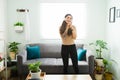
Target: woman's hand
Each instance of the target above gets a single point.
(69, 24)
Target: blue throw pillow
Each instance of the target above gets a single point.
(81, 54)
(33, 52)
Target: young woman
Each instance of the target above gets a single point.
(68, 35)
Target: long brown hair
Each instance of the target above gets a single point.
(63, 28)
(64, 25)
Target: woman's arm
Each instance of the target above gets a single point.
(74, 34)
(64, 34)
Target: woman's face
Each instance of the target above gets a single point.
(68, 19)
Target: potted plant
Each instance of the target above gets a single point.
(18, 26)
(99, 46)
(13, 48)
(107, 75)
(35, 71)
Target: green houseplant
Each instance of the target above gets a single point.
(107, 64)
(18, 26)
(13, 49)
(35, 71)
(34, 67)
(99, 45)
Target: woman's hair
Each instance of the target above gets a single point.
(64, 25)
(68, 15)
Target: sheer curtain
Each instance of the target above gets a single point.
(52, 15)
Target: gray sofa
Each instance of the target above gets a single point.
(51, 60)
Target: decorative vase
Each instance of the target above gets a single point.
(35, 74)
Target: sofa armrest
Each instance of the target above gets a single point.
(21, 58)
(91, 65)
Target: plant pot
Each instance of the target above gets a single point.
(19, 29)
(98, 76)
(99, 62)
(12, 55)
(35, 74)
(108, 76)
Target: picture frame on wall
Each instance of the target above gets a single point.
(112, 14)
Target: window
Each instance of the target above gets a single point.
(52, 15)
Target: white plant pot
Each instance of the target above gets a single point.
(1, 64)
(99, 62)
(35, 75)
(19, 29)
(98, 76)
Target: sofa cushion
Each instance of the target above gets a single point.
(44, 61)
(33, 52)
(59, 62)
(81, 53)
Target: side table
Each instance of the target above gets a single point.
(12, 67)
(1, 71)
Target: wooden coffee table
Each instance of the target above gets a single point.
(43, 76)
(68, 77)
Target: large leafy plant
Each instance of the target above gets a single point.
(13, 47)
(99, 45)
(34, 67)
(108, 64)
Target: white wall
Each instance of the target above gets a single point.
(14, 16)
(2, 12)
(113, 38)
(96, 20)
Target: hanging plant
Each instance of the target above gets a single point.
(19, 26)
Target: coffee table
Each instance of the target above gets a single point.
(68, 77)
(45, 76)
